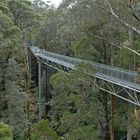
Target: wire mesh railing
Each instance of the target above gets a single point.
(101, 69)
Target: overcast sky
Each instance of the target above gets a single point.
(55, 2)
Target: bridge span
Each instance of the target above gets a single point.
(125, 80)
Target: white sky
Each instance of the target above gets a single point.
(55, 2)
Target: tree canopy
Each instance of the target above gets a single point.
(73, 108)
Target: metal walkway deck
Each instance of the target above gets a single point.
(121, 77)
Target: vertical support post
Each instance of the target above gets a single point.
(129, 131)
(46, 84)
(113, 114)
(46, 89)
(30, 65)
(39, 90)
(43, 93)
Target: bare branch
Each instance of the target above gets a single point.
(135, 52)
(127, 25)
(115, 45)
(131, 6)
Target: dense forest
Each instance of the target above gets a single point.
(103, 31)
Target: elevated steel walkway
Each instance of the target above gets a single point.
(117, 76)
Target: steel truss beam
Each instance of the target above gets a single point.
(124, 93)
(117, 89)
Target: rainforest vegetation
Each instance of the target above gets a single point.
(73, 108)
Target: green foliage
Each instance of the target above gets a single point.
(14, 17)
(14, 114)
(73, 106)
(13, 30)
(85, 49)
(5, 21)
(5, 132)
(94, 35)
(82, 133)
(77, 109)
(42, 131)
(128, 59)
(4, 9)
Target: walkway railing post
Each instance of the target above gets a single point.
(39, 90)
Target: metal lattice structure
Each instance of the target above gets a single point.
(124, 81)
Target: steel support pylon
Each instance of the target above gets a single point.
(39, 91)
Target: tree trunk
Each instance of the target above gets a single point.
(112, 134)
(130, 37)
(27, 88)
(129, 131)
(107, 130)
